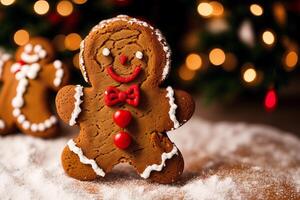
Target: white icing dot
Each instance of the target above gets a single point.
(34, 127)
(21, 119)
(17, 102)
(57, 64)
(37, 48)
(26, 125)
(59, 73)
(53, 119)
(139, 55)
(2, 124)
(16, 112)
(41, 127)
(48, 123)
(105, 52)
(57, 82)
(42, 54)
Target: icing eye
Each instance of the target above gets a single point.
(139, 55)
(28, 48)
(37, 48)
(105, 52)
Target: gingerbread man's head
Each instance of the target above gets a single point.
(127, 50)
(37, 50)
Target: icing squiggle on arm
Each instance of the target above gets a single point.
(173, 106)
(83, 159)
(76, 111)
(155, 167)
(59, 73)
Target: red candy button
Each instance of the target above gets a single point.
(122, 140)
(122, 118)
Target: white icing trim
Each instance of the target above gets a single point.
(125, 18)
(155, 167)
(23, 74)
(2, 124)
(3, 59)
(83, 159)
(76, 111)
(38, 50)
(81, 62)
(59, 74)
(173, 106)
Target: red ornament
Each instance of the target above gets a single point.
(123, 59)
(122, 140)
(270, 100)
(122, 118)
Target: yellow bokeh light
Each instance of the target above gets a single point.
(41, 7)
(256, 10)
(217, 7)
(76, 60)
(193, 61)
(72, 41)
(64, 8)
(7, 2)
(291, 59)
(21, 37)
(217, 56)
(186, 74)
(79, 1)
(249, 75)
(268, 37)
(205, 9)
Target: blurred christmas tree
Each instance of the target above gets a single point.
(221, 48)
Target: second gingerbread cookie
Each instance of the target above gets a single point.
(125, 114)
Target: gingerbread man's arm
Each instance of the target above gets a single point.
(5, 64)
(55, 75)
(177, 108)
(68, 103)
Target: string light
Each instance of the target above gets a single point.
(205, 9)
(256, 10)
(186, 74)
(76, 60)
(21, 37)
(268, 37)
(72, 41)
(291, 59)
(217, 8)
(193, 61)
(79, 1)
(64, 8)
(271, 100)
(41, 7)
(7, 2)
(217, 56)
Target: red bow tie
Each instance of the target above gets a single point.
(130, 96)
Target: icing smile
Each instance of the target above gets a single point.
(124, 79)
(32, 53)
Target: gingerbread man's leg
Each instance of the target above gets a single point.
(163, 163)
(7, 124)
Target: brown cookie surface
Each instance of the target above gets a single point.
(26, 85)
(125, 114)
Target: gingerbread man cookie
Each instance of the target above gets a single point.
(26, 83)
(125, 114)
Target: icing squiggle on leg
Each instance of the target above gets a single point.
(83, 159)
(155, 167)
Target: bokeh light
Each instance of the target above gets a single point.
(268, 37)
(270, 100)
(217, 8)
(7, 2)
(186, 74)
(205, 9)
(72, 41)
(217, 56)
(249, 75)
(193, 61)
(256, 10)
(21, 37)
(291, 59)
(79, 1)
(64, 8)
(41, 7)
